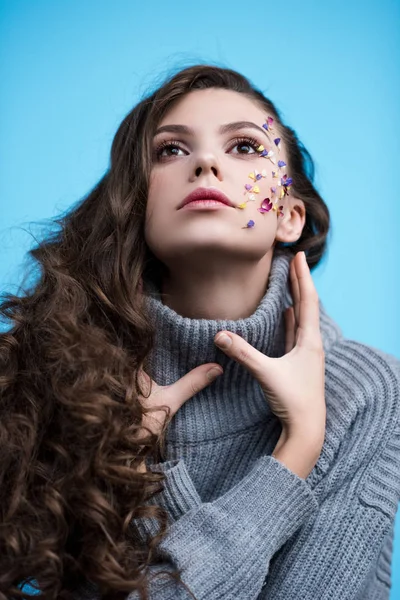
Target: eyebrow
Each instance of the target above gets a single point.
(227, 128)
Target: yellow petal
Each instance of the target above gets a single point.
(256, 189)
(242, 205)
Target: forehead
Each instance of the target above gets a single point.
(213, 106)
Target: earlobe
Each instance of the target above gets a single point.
(291, 226)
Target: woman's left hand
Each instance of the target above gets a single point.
(294, 384)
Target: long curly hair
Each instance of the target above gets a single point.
(70, 407)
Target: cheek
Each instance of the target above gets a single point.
(162, 185)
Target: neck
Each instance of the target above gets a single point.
(211, 290)
(234, 401)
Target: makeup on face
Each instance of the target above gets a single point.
(284, 183)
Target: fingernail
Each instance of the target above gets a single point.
(213, 373)
(223, 341)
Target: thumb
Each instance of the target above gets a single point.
(244, 353)
(193, 382)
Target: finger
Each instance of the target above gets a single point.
(190, 384)
(145, 381)
(290, 329)
(244, 353)
(295, 289)
(309, 316)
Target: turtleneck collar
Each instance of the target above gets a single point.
(234, 401)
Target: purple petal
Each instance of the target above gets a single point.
(266, 204)
(250, 224)
(281, 163)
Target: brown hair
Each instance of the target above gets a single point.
(70, 411)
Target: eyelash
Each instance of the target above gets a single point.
(175, 143)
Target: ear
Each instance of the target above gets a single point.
(291, 225)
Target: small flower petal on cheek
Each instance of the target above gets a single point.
(277, 142)
(256, 176)
(250, 224)
(265, 206)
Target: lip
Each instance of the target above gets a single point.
(203, 193)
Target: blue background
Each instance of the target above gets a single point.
(70, 71)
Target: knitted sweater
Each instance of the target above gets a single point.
(242, 526)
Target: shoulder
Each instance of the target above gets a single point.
(368, 373)
(360, 377)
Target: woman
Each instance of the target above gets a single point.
(124, 468)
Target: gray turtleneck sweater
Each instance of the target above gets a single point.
(242, 526)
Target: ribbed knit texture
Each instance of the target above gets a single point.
(242, 525)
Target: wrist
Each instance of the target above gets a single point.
(299, 455)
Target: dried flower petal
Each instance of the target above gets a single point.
(268, 124)
(265, 206)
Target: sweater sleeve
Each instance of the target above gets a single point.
(224, 547)
(345, 551)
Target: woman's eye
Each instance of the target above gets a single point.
(167, 146)
(247, 142)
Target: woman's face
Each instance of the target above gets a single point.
(207, 157)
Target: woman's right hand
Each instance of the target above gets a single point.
(174, 395)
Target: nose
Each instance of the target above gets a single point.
(205, 165)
